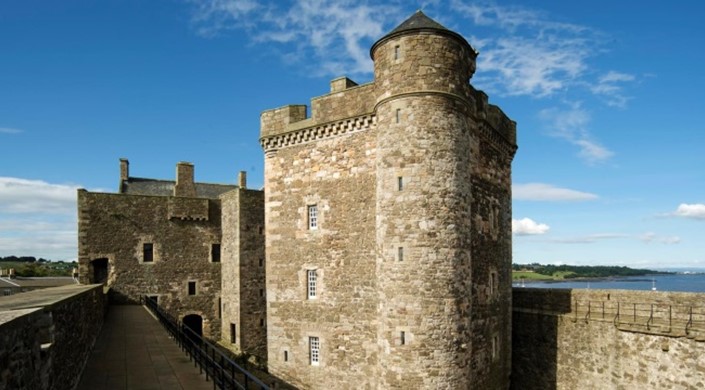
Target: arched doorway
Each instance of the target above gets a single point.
(195, 323)
(100, 270)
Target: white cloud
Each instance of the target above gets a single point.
(694, 211)
(589, 239)
(572, 126)
(317, 29)
(36, 196)
(548, 192)
(651, 237)
(528, 227)
(611, 87)
(9, 130)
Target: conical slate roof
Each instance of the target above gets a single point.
(419, 22)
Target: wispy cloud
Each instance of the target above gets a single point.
(692, 211)
(651, 237)
(611, 87)
(589, 239)
(572, 125)
(548, 192)
(528, 227)
(35, 196)
(9, 130)
(315, 29)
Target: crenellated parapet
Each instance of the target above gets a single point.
(316, 133)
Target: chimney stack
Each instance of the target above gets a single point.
(242, 180)
(124, 169)
(184, 180)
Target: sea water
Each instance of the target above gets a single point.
(670, 282)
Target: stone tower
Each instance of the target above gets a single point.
(388, 225)
(423, 204)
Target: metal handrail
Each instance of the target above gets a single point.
(223, 371)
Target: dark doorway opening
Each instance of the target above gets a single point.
(195, 323)
(100, 270)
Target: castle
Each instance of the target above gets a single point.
(378, 254)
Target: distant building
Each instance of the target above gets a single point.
(386, 222)
(164, 239)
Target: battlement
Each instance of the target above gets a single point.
(346, 100)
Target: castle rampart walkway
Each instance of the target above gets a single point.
(134, 352)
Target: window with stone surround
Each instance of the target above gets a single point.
(147, 252)
(493, 283)
(313, 217)
(215, 253)
(495, 347)
(314, 348)
(397, 52)
(286, 356)
(400, 183)
(191, 288)
(398, 115)
(312, 283)
(402, 338)
(400, 253)
(233, 333)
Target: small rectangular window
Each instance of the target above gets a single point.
(400, 183)
(313, 217)
(400, 253)
(314, 347)
(261, 292)
(286, 356)
(397, 50)
(191, 288)
(495, 347)
(493, 283)
(215, 253)
(220, 308)
(233, 333)
(398, 115)
(147, 252)
(402, 338)
(262, 322)
(312, 278)
(261, 262)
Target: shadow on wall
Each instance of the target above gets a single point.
(535, 336)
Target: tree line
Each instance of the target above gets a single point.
(584, 271)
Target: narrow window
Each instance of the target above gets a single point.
(286, 356)
(215, 253)
(398, 115)
(400, 183)
(314, 347)
(261, 262)
(261, 292)
(313, 217)
(495, 347)
(191, 288)
(261, 230)
(397, 50)
(312, 280)
(261, 322)
(233, 333)
(220, 308)
(400, 253)
(493, 283)
(147, 252)
(402, 338)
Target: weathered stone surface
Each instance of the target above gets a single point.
(45, 344)
(608, 339)
(411, 176)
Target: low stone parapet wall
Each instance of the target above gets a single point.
(588, 339)
(46, 336)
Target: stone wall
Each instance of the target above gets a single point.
(244, 304)
(114, 228)
(47, 335)
(337, 175)
(608, 339)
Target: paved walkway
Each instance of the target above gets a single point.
(134, 352)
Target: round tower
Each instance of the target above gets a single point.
(424, 125)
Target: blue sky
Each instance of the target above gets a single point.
(608, 96)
